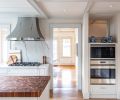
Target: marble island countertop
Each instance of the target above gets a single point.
(22, 86)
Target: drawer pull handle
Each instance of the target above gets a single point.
(102, 62)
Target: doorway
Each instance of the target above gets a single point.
(66, 69)
(64, 46)
(66, 56)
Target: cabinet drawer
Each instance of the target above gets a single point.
(103, 89)
(23, 72)
(3, 71)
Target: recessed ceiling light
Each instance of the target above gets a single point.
(110, 6)
(64, 10)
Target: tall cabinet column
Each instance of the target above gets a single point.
(117, 29)
(85, 71)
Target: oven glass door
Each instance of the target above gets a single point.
(102, 52)
(102, 73)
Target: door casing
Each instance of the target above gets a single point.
(79, 69)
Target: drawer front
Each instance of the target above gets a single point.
(103, 89)
(3, 71)
(23, 72)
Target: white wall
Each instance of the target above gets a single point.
(113, 27)
(85, 56)
(8, 20)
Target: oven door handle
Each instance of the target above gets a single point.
(102, 62)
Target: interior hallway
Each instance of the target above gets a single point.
(65, 87)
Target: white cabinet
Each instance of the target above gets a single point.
(42, 70)
(103, 91)
(23, 72)
(3, 71)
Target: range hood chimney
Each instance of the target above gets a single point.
(27, 29)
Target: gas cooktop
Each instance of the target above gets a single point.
(26, 64)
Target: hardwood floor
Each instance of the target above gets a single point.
(64, 83)
(64, 77)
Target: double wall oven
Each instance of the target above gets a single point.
(102, 64)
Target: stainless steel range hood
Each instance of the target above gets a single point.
(27, 29)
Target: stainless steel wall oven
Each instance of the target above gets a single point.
(102, 52)
(102, 75)
(102, 64)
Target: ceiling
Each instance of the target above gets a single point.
(75, 8)
(16, 8)
(67, 9)
(105, 8)
(63, 8)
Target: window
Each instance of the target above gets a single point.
(4, 31)
(66, 47)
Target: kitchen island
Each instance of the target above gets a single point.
(24, 87)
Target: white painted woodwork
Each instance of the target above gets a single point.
(115, 24)
(42, 70)
(69, 25)
(85, 57)
(103, 89)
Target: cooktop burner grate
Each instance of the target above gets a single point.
(26, 64)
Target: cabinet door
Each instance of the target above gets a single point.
(23, 72)
(42, 71)
(103, 89)
(3, 71)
